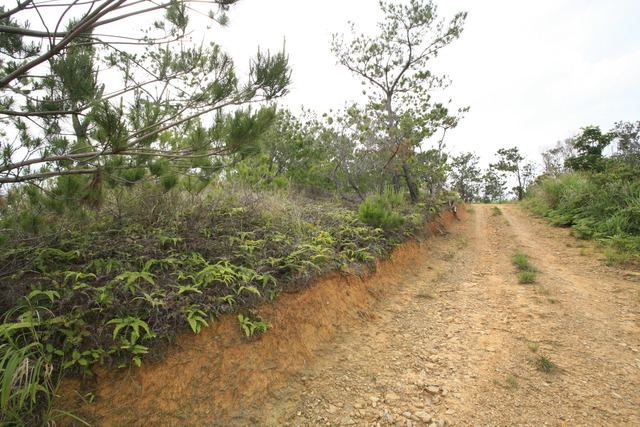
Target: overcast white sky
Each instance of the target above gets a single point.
(533, 73)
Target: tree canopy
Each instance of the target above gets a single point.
(83, 93)
(393, 64)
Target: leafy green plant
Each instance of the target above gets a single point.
(616, 257)
(495, 211)
(602, 205)
(196, 319)
(128, 331)
(26, 378)
(132, 279)
(123, 271)
(249, 327)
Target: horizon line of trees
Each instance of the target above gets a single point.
(85, 113)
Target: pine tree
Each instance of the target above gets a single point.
(84, 99)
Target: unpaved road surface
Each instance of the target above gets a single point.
(460, 340)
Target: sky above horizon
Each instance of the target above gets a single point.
(532, 74)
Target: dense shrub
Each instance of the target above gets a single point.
(603, 206)
(379, 210)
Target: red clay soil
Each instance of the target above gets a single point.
(219, 372)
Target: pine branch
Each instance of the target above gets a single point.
(21, 6)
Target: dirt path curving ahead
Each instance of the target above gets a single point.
(460, 341)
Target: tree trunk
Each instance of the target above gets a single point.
(396, 181)
(411, 184)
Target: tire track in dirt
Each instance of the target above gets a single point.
(456, 343)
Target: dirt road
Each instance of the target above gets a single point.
(461, 341)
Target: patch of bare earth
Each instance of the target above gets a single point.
(443, 335)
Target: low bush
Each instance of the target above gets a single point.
(379, 210)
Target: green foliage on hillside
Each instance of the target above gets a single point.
(603, 207)
(600, 198)
(380, 210)
(116, 286)
(146, 189)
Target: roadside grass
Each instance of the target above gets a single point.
(461, 243)
(523, 263)
(426, 294)
(542, 290)
(449, 255)
(438, 275)
(495, 211)
(616, 257)
(512, 380)
(533, 346)
(600, 206)
(526, 273)
(526, 277)
(544, 363)
(510, 383)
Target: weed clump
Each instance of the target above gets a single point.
(526, 272)
(522, 262)
(544, 364)
(526, 277)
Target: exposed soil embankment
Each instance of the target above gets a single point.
(219, 372)
(461, 342)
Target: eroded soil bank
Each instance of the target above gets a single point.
(460, 342)
(219, 377)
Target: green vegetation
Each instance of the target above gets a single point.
(522, 262)
(461, 243)
(147, 201)
(533, 346)
(597, 196)
(526, 277)
(102, 289)
(496, 211)
(379, 210)
(425, 294)
(526, 272)
(512, 380)
(544, 364)
(510, 161)
(399, 115)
